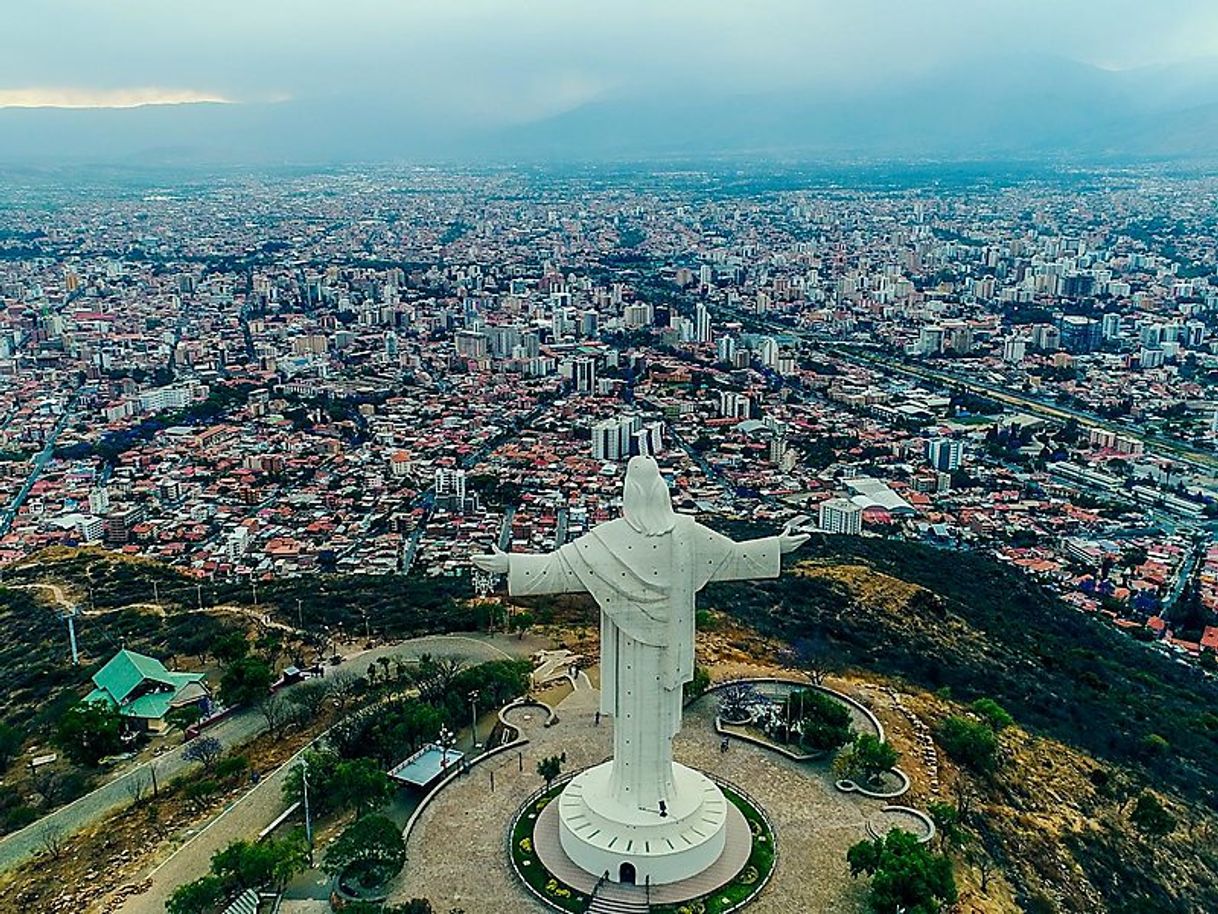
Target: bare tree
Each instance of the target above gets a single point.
(985, 868)
(48, 784)
(137, 785)
(276, 712)
(206, 750)
(816, 656)
(52, 839)
(342, 687)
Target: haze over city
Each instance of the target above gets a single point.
(312, 81)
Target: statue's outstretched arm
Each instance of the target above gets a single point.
(749, 560)
(529, 573)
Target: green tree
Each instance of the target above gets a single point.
(370, 850)
(906, 877)
(1151, 818)
(184, 717)
(698, 685)
(994, 714)
(198, 897)
(245, 865)
(246, 681)
(1153, 746)
(550, 768)
(11, 740)
(970, 743)
(866, 758)
(230, 647)
(820, 721)
(947, 823)
(88, 732)
(360, 784)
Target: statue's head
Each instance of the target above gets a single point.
(646, 502)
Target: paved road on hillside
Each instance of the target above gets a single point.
(233, 731)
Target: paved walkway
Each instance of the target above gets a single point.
(457, 854)
(263, 803)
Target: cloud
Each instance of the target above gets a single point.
(80, 97)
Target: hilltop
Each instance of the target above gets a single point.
(1102, 718)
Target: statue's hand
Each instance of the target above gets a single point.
(495, 563)
(790, 539)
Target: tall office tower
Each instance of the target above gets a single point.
(702, 323)
(606, 440)
(450, 489)
(589, 323)
(583, 374)
(471, 345)
(1080, 334)
(725, 349)
(391, 345)
(944, 453)
(840, 515)
(1014, 350)
(767, 352)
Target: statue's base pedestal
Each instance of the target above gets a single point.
(640, 846)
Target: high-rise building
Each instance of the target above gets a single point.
(944, 454)
(583, 374)
(1014, 350)
(840, 515)
(649, 440)
(471, 345)
(1080, 334)
(725, 349)
(450, 489)
(702, 323)
(930, 340)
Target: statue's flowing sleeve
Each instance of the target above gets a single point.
(549, 572)
(719, 558)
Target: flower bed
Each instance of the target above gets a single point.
(528, 865)
(749, 882)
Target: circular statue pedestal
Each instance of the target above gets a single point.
(640, 846)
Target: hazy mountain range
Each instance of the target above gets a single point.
(1011, 107)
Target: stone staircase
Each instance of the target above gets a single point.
(612, 898)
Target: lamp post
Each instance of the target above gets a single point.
(446, 741)
(473, 718)
(304, 783)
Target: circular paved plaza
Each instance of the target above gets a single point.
(457, 855)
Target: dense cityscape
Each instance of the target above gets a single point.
(389, 370)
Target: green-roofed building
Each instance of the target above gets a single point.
(144, 691)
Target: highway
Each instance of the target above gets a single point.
(1037, 406)
(39, 464)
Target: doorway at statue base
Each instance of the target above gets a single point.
(602, 835)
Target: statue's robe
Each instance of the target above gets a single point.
(645, 586)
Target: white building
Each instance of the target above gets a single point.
(840, 515)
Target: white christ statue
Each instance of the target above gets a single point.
(643, 570)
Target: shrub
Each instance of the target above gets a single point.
(371, 851)
(866, 758)
(822, 723)
(905, 875)
(970, 743)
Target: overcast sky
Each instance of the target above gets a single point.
(516, 60)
